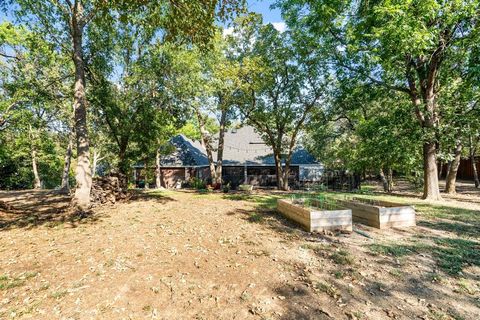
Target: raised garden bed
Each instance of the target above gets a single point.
(380, 214)
(316, 215)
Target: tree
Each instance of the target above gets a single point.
(365, 130)
(402, 46)
(206, 83)
(66, 22)
(33, 80)
(282, 84)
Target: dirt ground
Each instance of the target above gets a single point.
(188, 255)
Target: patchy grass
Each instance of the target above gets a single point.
(342, 257)
(451, 255)
(9, 283)
(454, 254)
(256, 217)
(397, 273)
(465, 287)
(327, 288)
(263, 201)
(393, 250)
(59, 294)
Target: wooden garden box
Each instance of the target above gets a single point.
(380, 214)
(316, 220)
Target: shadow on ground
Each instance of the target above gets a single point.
(459, 228)
(450, 255)
(300, 303)
(30, 209)
(154, 195)
(49, 209)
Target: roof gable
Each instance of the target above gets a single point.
(242, 146)
(187, 153)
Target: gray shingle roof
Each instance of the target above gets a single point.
(187, 153)
(242, 145)
(245, 145)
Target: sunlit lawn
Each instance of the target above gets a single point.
(457, 246)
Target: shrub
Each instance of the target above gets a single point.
(197, 183)
(226, 188)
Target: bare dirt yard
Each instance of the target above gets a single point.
(189, 255)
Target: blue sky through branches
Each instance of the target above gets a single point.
(259, 6)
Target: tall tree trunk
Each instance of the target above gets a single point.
(430, 176)
(158, 170)
(285, 173)
(147, 173)
(97, 157)
(452, 173)
(37, 184)
(473, 147)
(422, 78)
(221, 144)
(475, 172)
(207, 143)
(122, 158)
(384, 180)
(66, 167)
(440, 170)
(278, 170)
(83, 174)
(36, 178)
(387, 180)
(449, 165)
(390, 180)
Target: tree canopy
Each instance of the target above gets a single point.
(375, 88)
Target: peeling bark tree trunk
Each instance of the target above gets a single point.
(158, 170)
(452, 173)
(83, 174)
(66, 166)
(221, 144)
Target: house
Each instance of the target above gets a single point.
(246, 160)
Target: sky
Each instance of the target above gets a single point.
(263, 7)
(272, 16)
